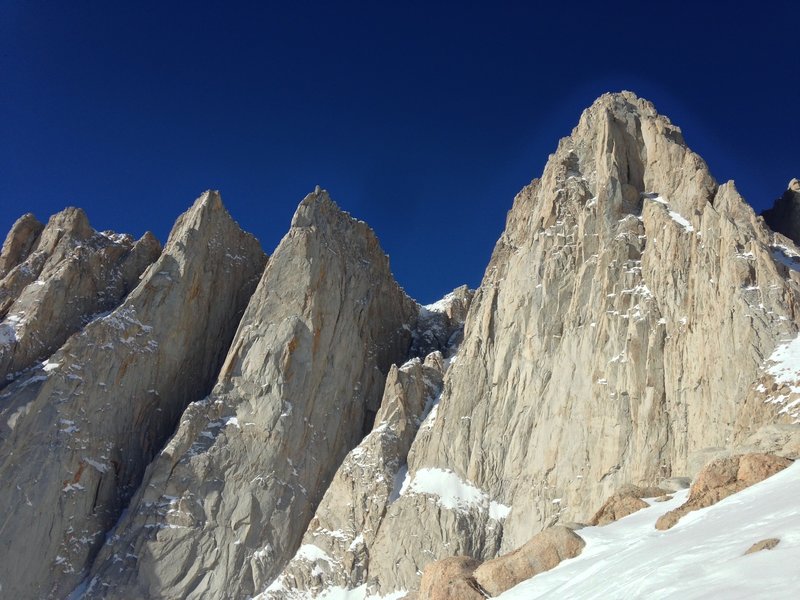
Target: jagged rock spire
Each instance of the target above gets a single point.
(59, 277)
(226, 503)
(77, 433)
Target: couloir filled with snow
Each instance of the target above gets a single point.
(703, 556)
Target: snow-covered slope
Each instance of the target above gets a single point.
(703, 556)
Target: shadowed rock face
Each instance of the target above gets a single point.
(76, 435)
(58, 278)
(784, 216)
(224, 506)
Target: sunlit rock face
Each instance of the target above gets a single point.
(619, 335)
(224, 506)
(305, 429)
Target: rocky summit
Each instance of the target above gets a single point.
(201, 421)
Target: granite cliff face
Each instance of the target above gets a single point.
(77, 433)
(321, 433)
(225, 504)
(597, 352)
(621, 333)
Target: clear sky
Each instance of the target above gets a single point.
(421, 118)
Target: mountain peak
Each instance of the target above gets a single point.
(317, 208)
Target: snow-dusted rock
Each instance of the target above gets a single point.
(370, 479)
(225, 504)
(636, 320)
(77, 433)
(58, 279)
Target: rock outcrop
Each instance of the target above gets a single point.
(624, 502)
(587, 358)
(767, 544)
(721, 478)
(450, 579)
(77, 433)
(784, 216)
(19, 243)
(57, 278)
(225, 504)
(780, 439)
(543, 552)
(464, 578)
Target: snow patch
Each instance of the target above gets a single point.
(675, 216)
(312, 553)
(453, 493)
(339, 593)
(785, 363)
(701, 557)
(784, 367)
(358, 541)
(785, 256)
(8, 334)
(102, 467)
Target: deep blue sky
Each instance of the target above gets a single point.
(422, 119)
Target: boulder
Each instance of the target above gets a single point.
(543, 552)
(721, 478)
(450, 579)
(767, 544)
(626, 501)
(616, 508)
